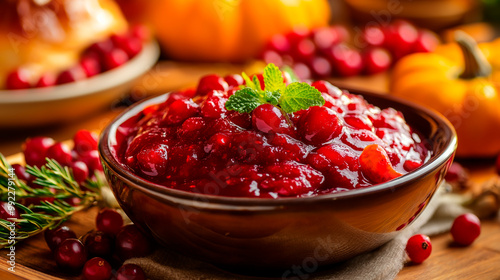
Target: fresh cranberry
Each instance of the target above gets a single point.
(133, 46)
(268, 118)
(326, 37)
(376, 60)
(130, 271)
(92, 161)
(61, 153)
(419, 248)
(298, 33)
(80, 171)
(98, 244)
(214, 105)
(179, 111)
(54, 237)
(115, 58)
(8, 211)
(141, 32)
(84, 141)
(46, 80)
(73, 74)
(319, 125)
(131, 243)
(373, 36)
(345, 60)
(302, 70)
(456, 173)
(427, 41)
(279, 43)
(18, 79)
(326, 87)
(91, 64)
(211, 82)
(109, 221)
(400, 38)
(35, 150)
(101, 48)
(73, 201)
(465, 229)
(234, 80)
(321, 67)
(270, 56)
(375, 164)
(304, 50)
(71, 255)
(21, 173)
(97, 269)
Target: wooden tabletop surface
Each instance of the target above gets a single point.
(34, 261)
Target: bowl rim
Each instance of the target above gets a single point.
(133, 68)
(149, 187)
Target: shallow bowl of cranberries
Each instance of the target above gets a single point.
(75, 92)
(270, 190)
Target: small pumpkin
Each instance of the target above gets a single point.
(461, 81)
(229, 30)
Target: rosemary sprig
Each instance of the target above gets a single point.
(52, 209)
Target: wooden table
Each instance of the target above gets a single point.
(34, 261)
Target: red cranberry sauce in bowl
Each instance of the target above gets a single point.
(192, 142)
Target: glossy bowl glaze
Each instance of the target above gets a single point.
(261, 234)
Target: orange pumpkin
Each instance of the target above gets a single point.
(229, 30)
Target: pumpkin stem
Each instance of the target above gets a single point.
(475, 64)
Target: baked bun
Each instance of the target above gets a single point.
(49, 35)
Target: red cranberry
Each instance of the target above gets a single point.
(465, 229)
(411, 165)
(61, 153)
(92, 161)
(84, 141)
(153, 160)
(109, 221)
(302, 71)
(101, 48)
(73, 74)
(130, 272)
(56, 236)
(80, 171)
(319, 125)
(91, 65)
(8, 211)
(179, 111)
(46, 80)
(35, 150)
(400, 38)
(131, 243)
(456, 173)
(18, 79)
(376, 60)
(321, 67)
(132, 46)
(279, 43)
(260, 77)
(97, 269)
(234, 80)
(192, 126)
(268, 118)
(140, 32)
(326, 87)
(270, 56)
(209, 83)
(345, 60)
(98, 244)
(21, 173)
(419, 248)
(427, 41)
(373, 36)
(298, 33)
(115, 58)
(71, 254)
(304, 50)
(326, 37)
(213, 106)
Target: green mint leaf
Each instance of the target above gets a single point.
(245, 100)
(273, 79)
(300, 96)
(294, 78)
(256, 82)
(248, 82)
(272, 97)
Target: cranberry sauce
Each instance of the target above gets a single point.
(192, 143)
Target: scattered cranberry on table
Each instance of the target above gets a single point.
(97, 269)
(332, 51)
(130, 272)
(56, 236)
(109, 221)
(465, 229)
(419, 248)
(71, 255)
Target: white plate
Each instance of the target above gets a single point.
(68, 102)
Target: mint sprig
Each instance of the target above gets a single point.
(292, 98)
